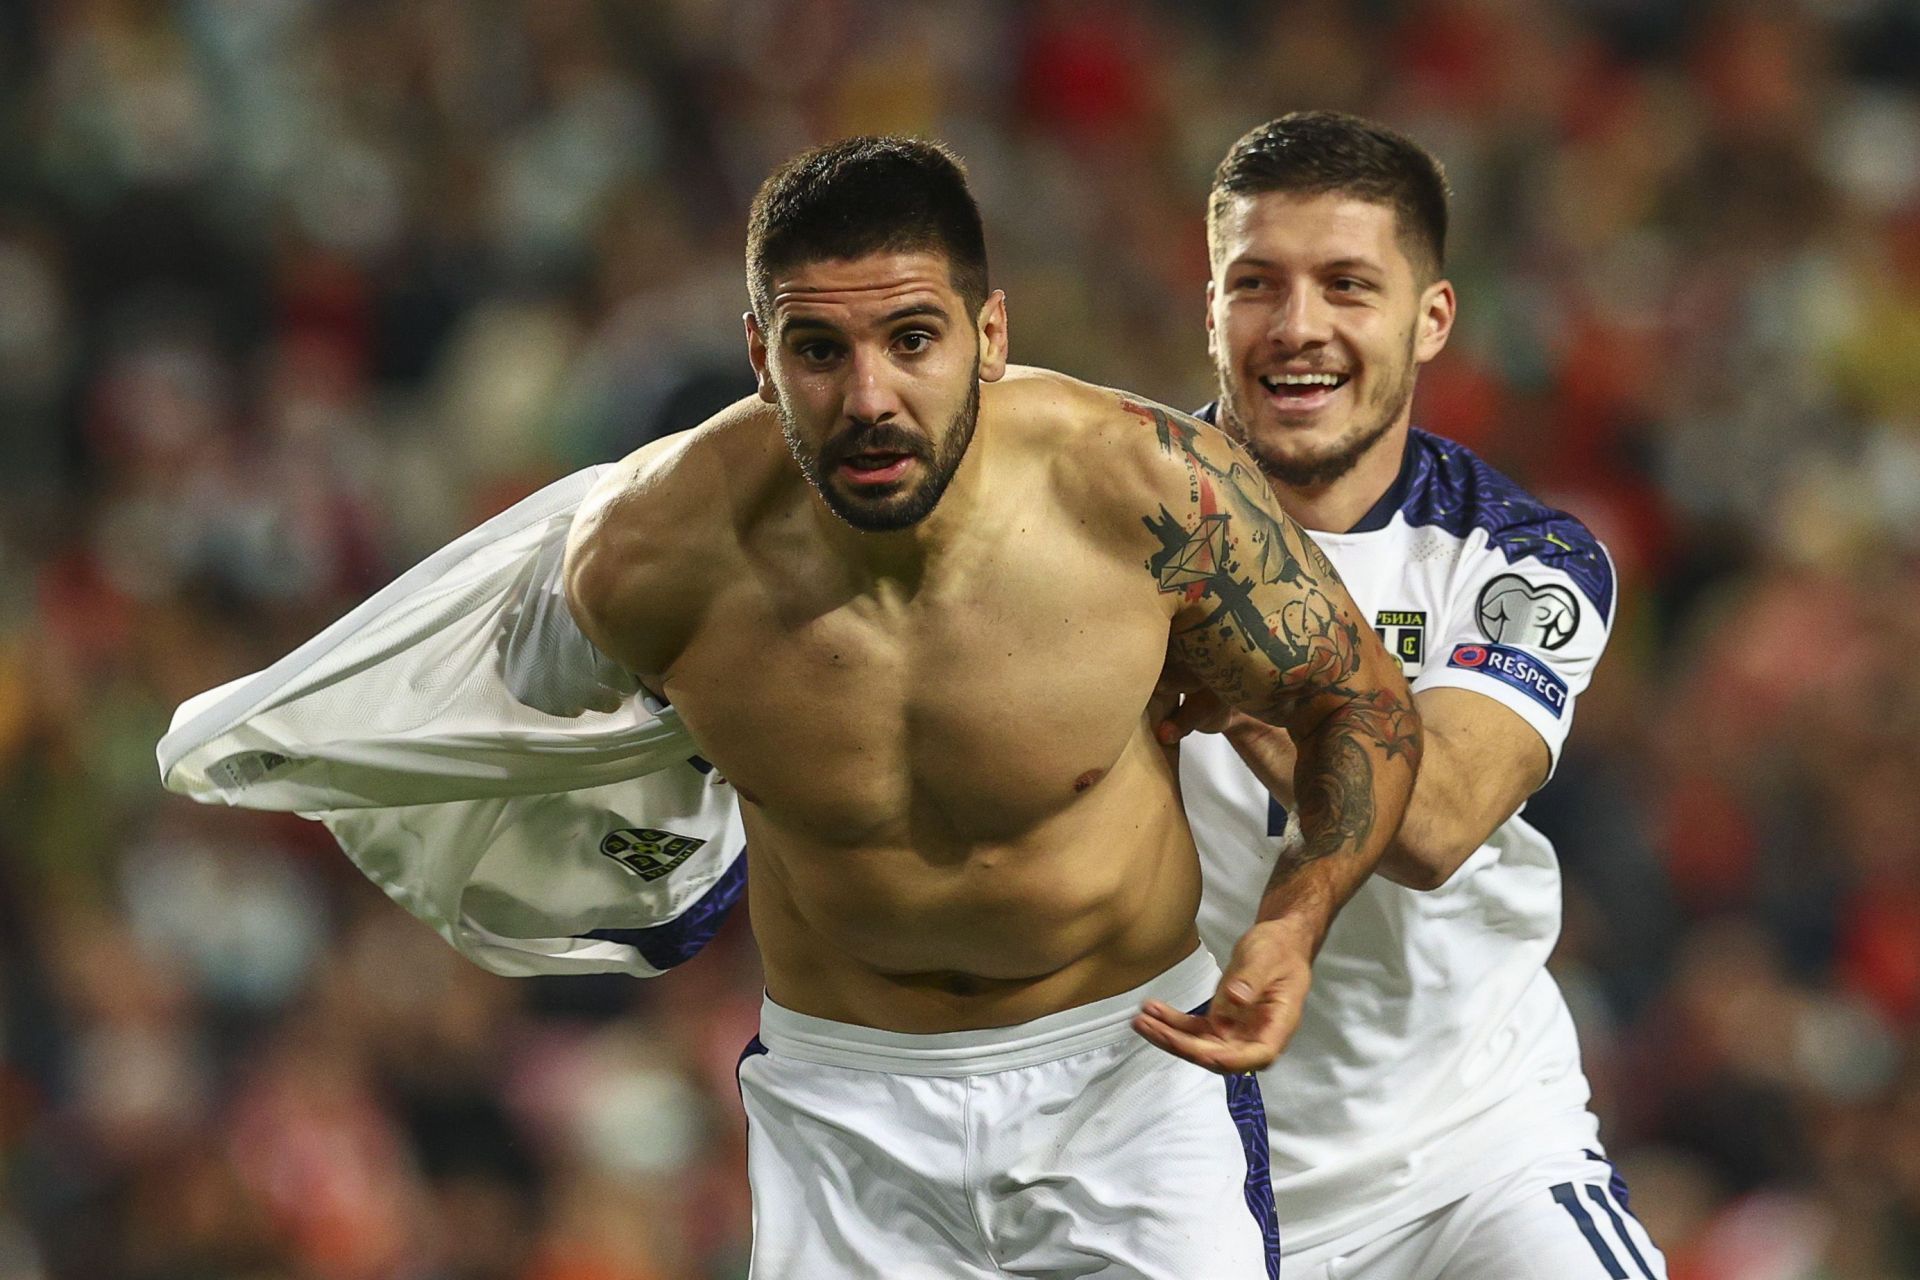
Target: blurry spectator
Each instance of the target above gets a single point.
(291, 291)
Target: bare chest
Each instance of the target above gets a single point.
(972, 708)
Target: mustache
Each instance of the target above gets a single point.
(881, 437)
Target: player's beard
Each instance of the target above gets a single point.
(939, 459)
(1375, 418)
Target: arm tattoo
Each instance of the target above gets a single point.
(1312, 648)
(1336, 804)
(1307, 643)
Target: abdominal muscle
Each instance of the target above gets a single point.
(936, 933)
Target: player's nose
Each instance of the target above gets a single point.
(1300, 321)
(871, 393)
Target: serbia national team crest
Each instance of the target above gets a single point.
(1403, 632)
(1513, 611)
(647, 852)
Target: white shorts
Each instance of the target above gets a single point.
(1563, 1217)
(1066, 1146)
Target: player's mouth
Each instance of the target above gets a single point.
(875, 468)
(1296, 393)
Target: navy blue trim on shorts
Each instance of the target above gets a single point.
(1599, 1197)
(1250, 1117)
(753, 1050)
(1615, 1183)
(1249, 1114)
(1563, 1193)
(675, 942)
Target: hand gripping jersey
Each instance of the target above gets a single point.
(483, 764)
(1435, 1053)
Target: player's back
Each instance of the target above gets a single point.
(939, 741)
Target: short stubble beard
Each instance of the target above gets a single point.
(899, 511)
(1345, 454)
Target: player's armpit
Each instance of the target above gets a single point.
(1481, 762)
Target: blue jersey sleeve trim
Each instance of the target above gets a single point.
(1448, 486)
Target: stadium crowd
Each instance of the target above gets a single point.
(292, 291)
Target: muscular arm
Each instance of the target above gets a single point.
(1263, 621)
(641, 551)
(1479, 764)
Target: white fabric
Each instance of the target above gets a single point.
(1435, 1054)
(1562, 1217)
(1067, 1146)
(442, 732)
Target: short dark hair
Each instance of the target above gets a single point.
(1327, 152)
(866, 195)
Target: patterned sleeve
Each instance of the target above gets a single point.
(1527, 617)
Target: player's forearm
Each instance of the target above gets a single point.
(1444, 823)
(1353, 776)
(1447, 818)
(1456, 806)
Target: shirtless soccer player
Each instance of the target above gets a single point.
(843, 587)
(1435, 1124)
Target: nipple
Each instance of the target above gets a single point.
(1087, 779)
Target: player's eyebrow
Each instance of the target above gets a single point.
(932, 309)
(1337, 264)
(789, 323)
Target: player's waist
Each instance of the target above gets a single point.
(1084, 1028)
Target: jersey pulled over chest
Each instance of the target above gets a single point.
(967, 704)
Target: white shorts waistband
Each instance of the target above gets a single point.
(1081, 1029)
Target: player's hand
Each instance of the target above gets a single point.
(1253, 1014)
(1182, 705)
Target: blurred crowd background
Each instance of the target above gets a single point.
(292, 291)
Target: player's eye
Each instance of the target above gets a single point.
(1350, 284)
(817, 353)
(1248, 284)
(915, 342)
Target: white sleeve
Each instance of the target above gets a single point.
(1528, 631)
(480, 762)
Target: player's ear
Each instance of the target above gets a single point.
(1437, 308)
(1213, 334)
(757, 357)
(993, 336)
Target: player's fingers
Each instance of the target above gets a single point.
(1191, 1023)
(1252, 1036)
(1198, 712)
(1201, 1050)
(1233, 1058)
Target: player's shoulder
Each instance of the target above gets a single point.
(670, 503)
(676, 483)
(1449, 488)
(1117, 450)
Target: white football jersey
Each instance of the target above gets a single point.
(1435, 1053)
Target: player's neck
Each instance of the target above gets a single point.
(1338, 505)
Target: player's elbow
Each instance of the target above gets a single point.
(1425, 855)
